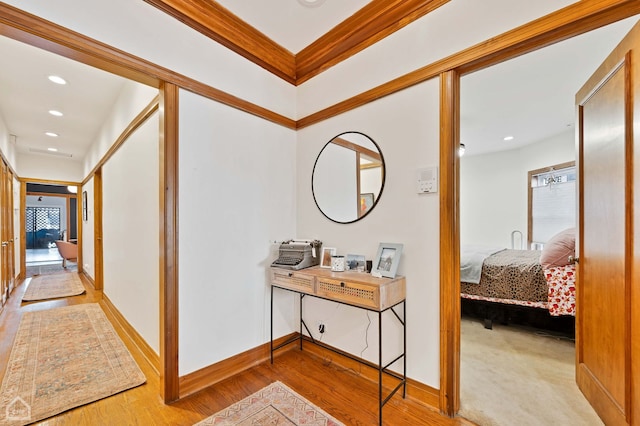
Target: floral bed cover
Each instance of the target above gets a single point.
(518, 280)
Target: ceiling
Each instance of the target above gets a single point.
(295, 26)
(530, 97)
(28, 95)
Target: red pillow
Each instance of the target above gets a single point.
(557, 250)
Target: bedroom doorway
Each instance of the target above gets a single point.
(508, 129)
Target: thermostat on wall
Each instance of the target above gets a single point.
(427, 179)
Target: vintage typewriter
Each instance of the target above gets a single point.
(298, 254)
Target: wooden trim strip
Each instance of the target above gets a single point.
(573, 20)
(26, 180)
(23, 227)
(377, 20)
(121, 323)
(212, 374)
(138, 121)
(88, 278)
(35, 31)
(449, 243)
(372, 23)
(357, 148)
(98, 252)
(219, 24)
(168, 188)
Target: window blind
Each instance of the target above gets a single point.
(553, 210)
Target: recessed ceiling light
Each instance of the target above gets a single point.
(52, 149)
(53, 135)
(57, 79)
(311, 3)
(508, 138)
(56, 113)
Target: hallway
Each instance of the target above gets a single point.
(342, 392)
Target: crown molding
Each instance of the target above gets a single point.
(219, 24)
(372, 23)
(377, 20)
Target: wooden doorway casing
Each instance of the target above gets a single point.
(449, 203)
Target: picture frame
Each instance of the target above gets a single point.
(366, 202)
(85, 211)
(355, 262)
(325, 256)
(385, 264)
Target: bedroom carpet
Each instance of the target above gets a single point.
(511, 375)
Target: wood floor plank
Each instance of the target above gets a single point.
(343, 393)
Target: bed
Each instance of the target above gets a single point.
(508, 277)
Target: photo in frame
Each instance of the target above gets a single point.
(85, 215)
(325, 256)
(355, 262)
(366, 202)
(385, 264)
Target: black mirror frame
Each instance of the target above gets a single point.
(384, 178)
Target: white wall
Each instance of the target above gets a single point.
(132, 99)
(493, 189)
(7, 145)
(237, 195)
(405, 126)
(131, 230)
(48, 167)
(88, 248)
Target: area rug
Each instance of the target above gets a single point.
(52, 286)
(63, 358)
(33, 270)
(274, 405)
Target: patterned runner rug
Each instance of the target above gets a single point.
(52, 286)
(36, 269)
(274, 405)
(62, 358)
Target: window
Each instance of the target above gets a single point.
(552, 202)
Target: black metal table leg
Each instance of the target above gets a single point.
(271, 326)
(380, 403)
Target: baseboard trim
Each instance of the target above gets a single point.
(89, 278)
(417, 391)
(214, 373)
(136, 339)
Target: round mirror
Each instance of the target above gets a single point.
(348, 177)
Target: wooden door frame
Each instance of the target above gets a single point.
(23, 216)
(450, 309)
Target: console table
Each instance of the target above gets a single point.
(357, 289)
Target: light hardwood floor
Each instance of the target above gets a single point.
(350, 398)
